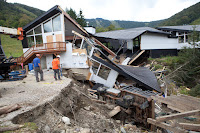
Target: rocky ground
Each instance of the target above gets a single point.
(44, 104)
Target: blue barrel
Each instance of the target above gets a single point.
(30, 66)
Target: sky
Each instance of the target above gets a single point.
(133, 10)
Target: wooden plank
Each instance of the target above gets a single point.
(177, 103)
(179, 115)
(189, 126)
(49, 39)
(153, 113)
(104, 47)
(165, 126)
(136, 56)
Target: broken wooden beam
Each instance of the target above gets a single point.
(10, 108)
(189, 126)
(165, 126)
(141, 52)
(4, 129)
(179, 115)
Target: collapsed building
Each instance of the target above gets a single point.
(131, 88)
(55, 32)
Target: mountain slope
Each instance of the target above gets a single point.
(186, 16)
(99, 22)
(17, 15)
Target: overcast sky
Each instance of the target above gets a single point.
(134, 10)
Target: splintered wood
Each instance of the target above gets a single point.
(187, 105)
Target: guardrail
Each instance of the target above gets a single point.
(41, 48)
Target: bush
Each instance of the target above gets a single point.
(195, 91)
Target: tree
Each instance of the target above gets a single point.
(81, 19)
(72, 13)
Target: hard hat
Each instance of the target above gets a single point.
(37, 54)
(58, 56)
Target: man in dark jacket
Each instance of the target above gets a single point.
(37, 68)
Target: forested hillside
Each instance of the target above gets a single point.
(100, 22)
(17, 15)
(189, 15)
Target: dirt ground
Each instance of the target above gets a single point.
(43, 104)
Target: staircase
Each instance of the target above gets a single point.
(45, 48)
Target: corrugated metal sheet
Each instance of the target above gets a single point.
(128, 34)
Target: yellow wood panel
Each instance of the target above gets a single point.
(79, 51)
(49, 39)
(59, 39)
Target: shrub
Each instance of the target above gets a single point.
(195, 91)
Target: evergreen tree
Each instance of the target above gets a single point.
(72, 13)
(81, 19)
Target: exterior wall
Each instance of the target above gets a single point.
(68, 59)
(90, 30)
(157, 41)
(49, 59)
(130, 44)
(110, 80)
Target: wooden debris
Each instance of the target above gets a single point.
(4, 129)
(10, 108)
(179, 115)
(189, 126)
(165, 126)
(98, 101)
(115, 111)
(136, 57)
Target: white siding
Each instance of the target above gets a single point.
(157, 41)
(110, 80)
(68, 60)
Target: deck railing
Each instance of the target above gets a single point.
(51, 47)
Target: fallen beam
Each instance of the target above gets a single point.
(189, 126)
(179, 115)
(10, 108)
(165, 126)
(136, 57)
(4, 129)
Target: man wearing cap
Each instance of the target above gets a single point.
(37, 68)
(56, 67)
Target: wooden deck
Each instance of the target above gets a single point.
(45, 48)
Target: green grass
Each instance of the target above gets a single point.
(11, 46)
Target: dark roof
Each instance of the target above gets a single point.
(51, 12)
(128, 34)
(141, 75)
(180, 28)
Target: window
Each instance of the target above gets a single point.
(100, 70)
(47, 26)
(95, 66)
(104, 72)
(30, 32)
(56, 23)
(38, 39)
(38, 30)
(181, 39)
(31, 41)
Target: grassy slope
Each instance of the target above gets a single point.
(11, 46)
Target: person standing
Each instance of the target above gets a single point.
(56, 67)
(37, 68)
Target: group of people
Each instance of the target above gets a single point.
(38, 68)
